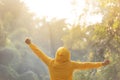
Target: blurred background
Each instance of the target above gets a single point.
(90, 29)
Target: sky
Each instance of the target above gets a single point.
(61, 9)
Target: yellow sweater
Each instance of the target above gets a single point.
(61, 68)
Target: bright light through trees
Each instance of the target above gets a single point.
(68, 9)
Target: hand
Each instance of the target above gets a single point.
(28, 41)
(106, 62)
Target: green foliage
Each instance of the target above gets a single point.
(79, 75)
(75, 38)
(6, 73)
(28, 76)
(103, 41)
(8, 55)
(86, 42)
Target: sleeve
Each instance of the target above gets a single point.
(40, 54)
(86, 65)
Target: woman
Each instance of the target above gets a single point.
(61, 67)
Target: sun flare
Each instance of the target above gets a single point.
(68, 9)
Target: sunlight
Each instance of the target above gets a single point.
(67, 9)
(92, 19)
(49, 8)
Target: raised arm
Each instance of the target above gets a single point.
(89, 65)
(38, 52)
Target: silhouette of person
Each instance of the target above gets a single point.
(61, 67)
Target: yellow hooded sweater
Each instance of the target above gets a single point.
(61, 68)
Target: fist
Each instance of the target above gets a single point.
(28, 41)
(106, 62)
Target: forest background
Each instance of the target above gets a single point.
(86, 42)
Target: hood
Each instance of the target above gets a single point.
(62, 55)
